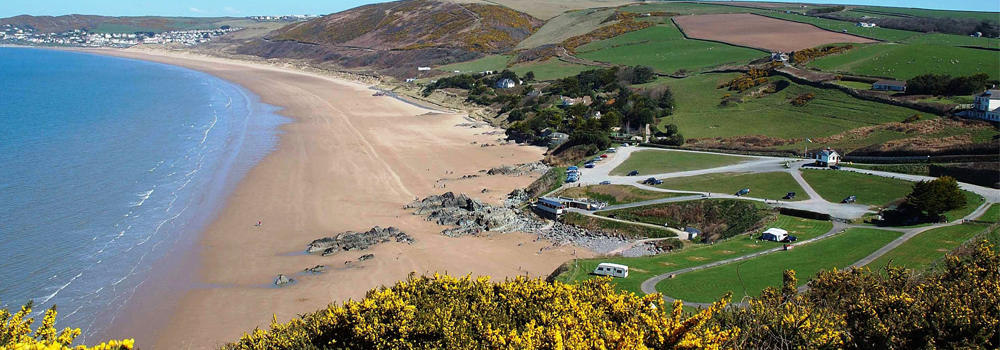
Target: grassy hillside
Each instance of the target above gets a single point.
(953, 40)
(566, 26)
(670, 53)
(494, 63)
(914, 12)
(689, 8)
(920, 251)
(107, 24)
(652, 34)
(698, 113)
(752, 276)
(550, 69)
(848, 27)
(904, 61)
(417, 24)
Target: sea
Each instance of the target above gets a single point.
(107, 165)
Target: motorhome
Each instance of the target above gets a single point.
(613, 270)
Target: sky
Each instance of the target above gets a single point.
(239, 8)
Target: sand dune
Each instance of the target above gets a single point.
(349, 161)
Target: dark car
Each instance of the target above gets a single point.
(790, 195)
(850, 199)
(633, 173)
(743, 192)
(658, 182)
(835, 167)
(790, 239)
(649, 181)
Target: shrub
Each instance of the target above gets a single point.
(443, 312)
(15, 333)
(938, 84)
(803, 99)
(936, 197)
(912, 118)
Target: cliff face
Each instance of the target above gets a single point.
(417, 32)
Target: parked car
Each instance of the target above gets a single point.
(605, 182)
(588, 165)
(649, 181)
(572, 168)
(612, 150)
(790, 195)
(743, 192)
(625, 144)
(835, 167)
(850, 199)
(633, 173)
(658, 182)
(605, 155)
(790, 239)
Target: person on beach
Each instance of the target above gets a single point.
(258, 223)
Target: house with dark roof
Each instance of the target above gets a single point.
(827, 157)
(889, 85)
(986, 106)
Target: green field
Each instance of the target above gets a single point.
(949, 99)
(616, 194)
(671, 55)
(688, 8)
(651, 34)
(835, 185)
(972, 203)
(698, 114)
(954, 40)
(550, 69)
(762, 185)
(650, 162)
(992, 214)
(855, 84)
(905, 61)
(750, 277)
(565, 26)
(641, 269)
(982, 16)
(161, 24)
(494, 63)
(850, 27)
(921, 250)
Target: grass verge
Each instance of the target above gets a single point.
(662, 162)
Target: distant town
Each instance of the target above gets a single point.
(24, 35)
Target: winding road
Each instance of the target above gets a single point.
(758, 164)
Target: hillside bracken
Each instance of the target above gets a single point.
(16, 333)
(804, 55)
(626, 24)
(750, 79)
(443, 312)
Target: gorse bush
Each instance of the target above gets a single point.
(443, 312)
(16, 333)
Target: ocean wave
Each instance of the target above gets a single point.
(144, 197)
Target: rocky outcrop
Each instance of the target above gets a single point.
(352, 240)
(520, 169)
(315, 270)
(516, 197)
(366, 257)
(471, 216)
(282, 280)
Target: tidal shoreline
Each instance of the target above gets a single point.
(348, 161)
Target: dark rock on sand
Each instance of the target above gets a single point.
(352, 240)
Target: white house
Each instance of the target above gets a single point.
(423, 69)
(774, 234)
(986, 106)
(506, 83)
(827, 157)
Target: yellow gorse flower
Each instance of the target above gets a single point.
(15, 333)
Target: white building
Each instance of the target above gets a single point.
(986, 106)
(827, 157)
(866, 25)
(423, 69)
(506, 83)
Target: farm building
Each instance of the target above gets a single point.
(889, 85)
(692, 233)
(423, 69)
(774, 234)
(866, 25)
(506, 83)
(986, 106)
(827, 157)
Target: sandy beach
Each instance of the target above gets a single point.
(348, 161)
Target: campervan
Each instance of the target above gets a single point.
(613, 270)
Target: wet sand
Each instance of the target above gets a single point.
(348, 161)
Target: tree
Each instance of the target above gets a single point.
(671, 129)
(515, 115)
(529, 76)
(936, 197)
(224, 27)
(507, 74)
(611, 119)
(577, 110)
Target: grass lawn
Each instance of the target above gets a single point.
(641, 269)
(616, 194)
(550, 69)
(972, 203)
(750, 277)
(649, 162)
(761, 185)
(835, 185)
(905, 61)
(850, 27)
(698, 114)
(954, 40)
(672, 55)
(855, 84)
(949, 99)
(992, 213)
(921, 250)
(625, 229)
(651, 34)
(494, 63)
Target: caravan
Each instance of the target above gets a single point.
(613, 270)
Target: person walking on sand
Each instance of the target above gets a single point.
(258, 223)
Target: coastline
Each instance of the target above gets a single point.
(347, 161)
